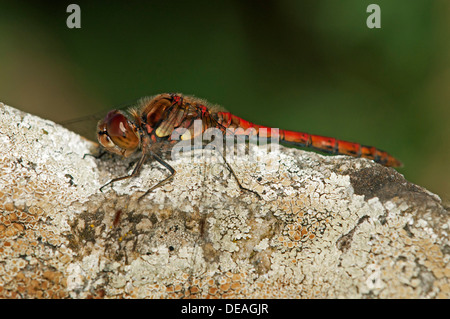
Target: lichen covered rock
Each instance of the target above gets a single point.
(321, 227)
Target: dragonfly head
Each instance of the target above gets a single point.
(117, 134)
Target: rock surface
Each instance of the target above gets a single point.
(322, 227)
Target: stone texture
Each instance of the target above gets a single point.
(322, 227)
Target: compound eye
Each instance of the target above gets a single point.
(120, 131)
(116, 125)
(117, 134)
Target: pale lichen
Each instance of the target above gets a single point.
(321, 226)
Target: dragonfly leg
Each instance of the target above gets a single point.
(169, 168)
(194, 147)
(235, 177)
(135, 172)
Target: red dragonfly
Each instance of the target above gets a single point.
(151, 125)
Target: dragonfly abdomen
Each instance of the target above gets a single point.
(325, 144)
(335, 146)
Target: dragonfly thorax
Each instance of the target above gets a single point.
(117, 134)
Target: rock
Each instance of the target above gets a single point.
(320, 226)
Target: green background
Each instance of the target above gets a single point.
(310, 66)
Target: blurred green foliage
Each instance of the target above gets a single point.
(310, 66)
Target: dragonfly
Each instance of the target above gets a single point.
(150, 126)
